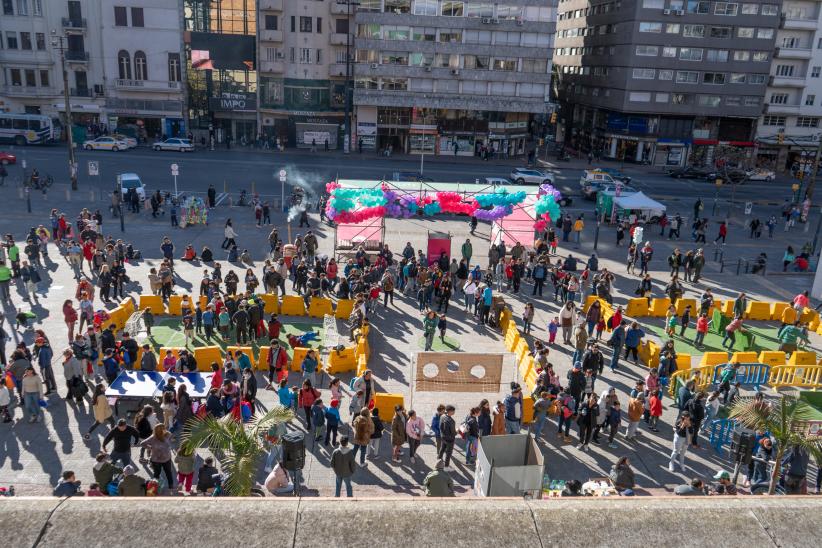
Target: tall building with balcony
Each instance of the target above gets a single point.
(31, 78)
(789, 130)
(143, 66)
(450, 77)
(663, 81)
(302, 53)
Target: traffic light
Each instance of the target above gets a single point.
(780, 138)
(553, 117)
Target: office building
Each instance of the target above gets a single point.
(448, 77)
(663, 81)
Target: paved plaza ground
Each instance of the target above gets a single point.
(32, 456)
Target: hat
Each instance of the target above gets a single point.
(335, 403)
(577, 365)
(722, 475)
(129, 470)
(440, 465)
(121, 422)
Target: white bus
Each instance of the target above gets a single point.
(28, 129)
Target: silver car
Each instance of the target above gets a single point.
(180, 145)
(527, 176)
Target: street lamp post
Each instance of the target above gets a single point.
(347, 121)
(59, 43)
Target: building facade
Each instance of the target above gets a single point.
(789, 130)
(663, 81)
(450, 77)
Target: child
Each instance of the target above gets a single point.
(188, 327)
(701, 329)
(527, 318)
(185, 467)
(295, 397)
(148, 320)
(169, 409)
(553, 327)
(169, 362)
(198, 318)
(600, 327)
(356, 405)
(224, 322)
(376, 436)
(174, 214)
(442, 325)
(318, 418)
(685, 320)
(421, 298)
(670, 321)
(185, 305)
(94, 490)
(656, 410)
(435, 425)
(332, 420)
(284, 394)
(553, 245)
(274, 327)
(589, 383)
(335, 386)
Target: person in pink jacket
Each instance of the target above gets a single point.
(801, 302)
(414, 429)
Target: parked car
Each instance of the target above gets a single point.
(7, 158)
(527, 176)
(411, 177)
(591, 181)
(761, 175)
(180, 145)
(498, 181)
(688, 172)
(105, 143)
(625, 190)
(127, 181)
(130, 141)
(616, 174)
(733, 176)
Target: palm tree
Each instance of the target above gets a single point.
(239, 447)
(786, 422)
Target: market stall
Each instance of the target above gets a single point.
(193, 212)
(633, 207)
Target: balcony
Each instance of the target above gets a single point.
(789, 108)
(798, 23)
(271, 5)
(337, 70)
(271, 35)
(277, 67)
(339, 39)
(26, 91)
(341, 9)
(159, 86)
(74, 24)
(80, 92)
(77, 56)
(793, 53)
(787, 81)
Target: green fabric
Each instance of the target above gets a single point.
(5, 273)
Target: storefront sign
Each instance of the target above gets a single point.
(674, 156)
(366, 128)
(315, 137)
(234, 102)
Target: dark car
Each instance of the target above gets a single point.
(689, 172)
(411, 177)
(733, 176)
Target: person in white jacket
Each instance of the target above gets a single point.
(229, 234)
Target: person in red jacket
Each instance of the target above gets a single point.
(274, 327)
(277, 364)
(655, 409)
(723, 232)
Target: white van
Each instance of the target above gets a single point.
(127, 181)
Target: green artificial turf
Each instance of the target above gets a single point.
(450, 344)
(765, 340)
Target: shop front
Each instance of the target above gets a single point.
(235, 117)
(422, 139)
(670, 153)
(627, 148)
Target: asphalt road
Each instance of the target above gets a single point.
(243, 169)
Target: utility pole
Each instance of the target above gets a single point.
(809, 190)
(347, 122)
(58, 42)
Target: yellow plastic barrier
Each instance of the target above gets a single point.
(814, 323)
(174, 305)
(772, 357)
(683, 361)
(805, 376)
(728, 307)
(175, 351)
(247, 350)
(682, 303)
(205, 355)
(525, 366)
(802, 358)
(292, 305)
(637, 308)
(589, 300)
(155, 302)
(118, 317)
(649, 353)
(128, 306)
(521, 350)
(744, 357)
(819, 329)
(702, 375)
(531, 380)
(758, 310)
(271, 305)
(342, 361)
(298, 357)
(344, 309)
(362, 365)
(512, 339)
(527, 409)
(505, 317)
(386, 403)
(319, 307)
(809, 315)
(659, 307)
(713, 358)
(777, 309)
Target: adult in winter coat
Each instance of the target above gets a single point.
(363, 427)
(160, 445)
(398, 435)
(616, 342)
(587, 414)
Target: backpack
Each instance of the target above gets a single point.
(388, 284)
(152, 487)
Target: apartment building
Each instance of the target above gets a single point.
(789, 129)
(448, 77)
(663, 81)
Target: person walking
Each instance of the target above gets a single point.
(587, 414)
(414, 430)
(160, 445)
(32, 389)
(363, 427)
(513, 410)
(398, 435)
(616, 342)
(342, 462)
(683, 431)
(448, 433)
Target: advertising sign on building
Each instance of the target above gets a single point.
(234, 102)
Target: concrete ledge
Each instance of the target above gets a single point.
(742, 521)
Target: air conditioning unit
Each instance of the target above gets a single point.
(486, 20)
(519, 22)
(494, 20)
(373, 65)
(666, 12)
(427, 69)
(455, 72)
(280, 55)
(680, 12)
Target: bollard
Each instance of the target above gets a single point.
(721, 267)
(68, 195)
(738, 266)
(91, 196)
(28, 200)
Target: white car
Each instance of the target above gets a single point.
(526, 176)
(130, 141)
(761, 175)
(105, 143)
(127, 181)
(180, 145)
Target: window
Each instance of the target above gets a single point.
(16, 79)
(752, 101)
(819, 44)
(668, 52)
(393, 58)
(709, 100)
(815, 72)
(650, 27)
(398, 84)
(662, 98)
(778, 98)
(11, 40)
(681, 99)
(766, 34)
(341, 26)
(699, 7)
(475, 88)
(173, 67)
(305, 56)
(644, 74)
(137, 17)
(40, 39)
(25, 40)
(809, 100)
(790, 42)
(23, 8)
(672, 28)
(294, 24)
(120, 16)
(725, 8)
(478, 62)
(422, 84)
(690, 54)
(639, 97)
(756, 78)
(503, 88)
(770, 9)
(429, 34)
(742, 55)
(503, 63)
(750, 9)
(319, 25)
(653, 4)
(140, 66)
(37, 7)
(393, 32)
(319, 57)
(773, 121)
(44, 78)
(713, 78)
(531, 90)
(31, 78)
(693, 31)
(453, 9)
(745, 32)
(647, 51)
(687, 77)
(425, 7)
(674, 4)
(305, 24)
(502, 38)
(666, 74)
(761, 56)
(270, 22)
(8, 8)
(535, 65)
(717, 55)
(738, 78)
(807, 121)
(784, 70)
(124, 65)
(720, 32)
(733, 101)
(479, 9)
